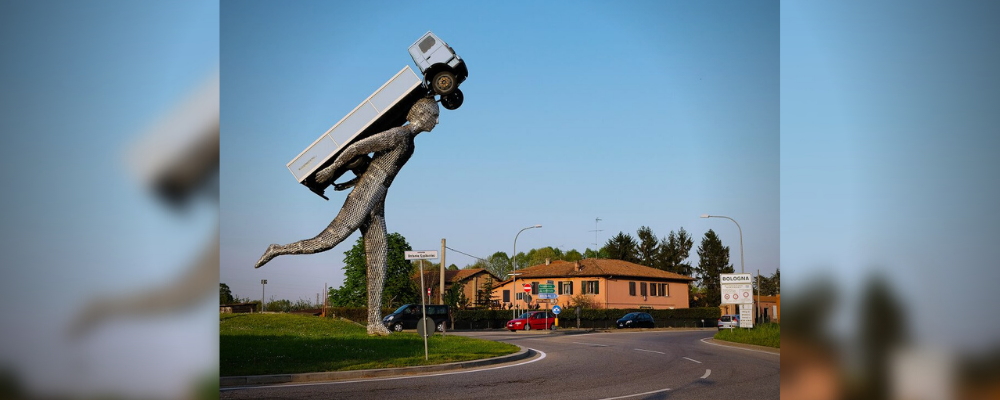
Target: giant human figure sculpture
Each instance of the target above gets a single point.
(365, 205)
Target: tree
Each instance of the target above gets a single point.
(225, 295)
(647, 249)
(769, 285)
(453, 267)
(399, 287)
(455, 296)
(536, 257)
(622, 247)
(601, 253)
(572, 256)
(484, 294)
(713, 260)
(498, 264)
(673, 251)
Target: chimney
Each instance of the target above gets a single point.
(577, 267)
(548, 261)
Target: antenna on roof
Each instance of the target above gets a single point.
(597, 245)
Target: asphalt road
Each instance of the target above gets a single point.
(625, 365)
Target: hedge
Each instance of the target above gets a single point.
(589, 318)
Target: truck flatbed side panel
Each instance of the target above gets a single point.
(375, 114)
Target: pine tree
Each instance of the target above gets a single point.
(713, 260)
(622, 247)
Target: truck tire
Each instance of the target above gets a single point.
(444, 83)
(453, 100)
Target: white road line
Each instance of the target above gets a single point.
(651, 351)
(637, 394)
(740, 348)
(689, 359)
(542, 353)
(592, 344)
(707, 373)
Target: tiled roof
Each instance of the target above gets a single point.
(597, 267)
(456, 276)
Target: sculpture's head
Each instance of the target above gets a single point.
(424, 114)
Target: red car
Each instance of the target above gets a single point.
(532, 320)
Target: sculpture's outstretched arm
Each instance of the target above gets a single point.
(375, 143)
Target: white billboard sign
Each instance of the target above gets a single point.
(421, 255)
(726, 279)
(746, 317)
(736, 288)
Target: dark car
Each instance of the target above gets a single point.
(635, 320)
(532, 320)
(407, 317)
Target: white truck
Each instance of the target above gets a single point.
(386, 108)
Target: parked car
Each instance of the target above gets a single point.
(636, 320)
(407, 317)
(532, 320)
(443, 69)
(729, 321)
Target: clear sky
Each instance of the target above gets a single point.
(642, 113)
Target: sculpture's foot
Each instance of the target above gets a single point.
(272, 251)
(378, 330)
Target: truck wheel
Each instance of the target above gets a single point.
(443, 83)
(453, 100)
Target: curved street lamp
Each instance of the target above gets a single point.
(737, 227)
(513, 263)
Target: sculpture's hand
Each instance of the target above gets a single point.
(345, 185)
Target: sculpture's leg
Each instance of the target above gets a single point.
(356, 208)
(376, 251)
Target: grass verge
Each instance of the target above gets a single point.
(762, 335)
(254, 344)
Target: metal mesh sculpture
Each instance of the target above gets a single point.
(365, 206)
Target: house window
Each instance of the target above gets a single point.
(506, 296)
(559, 287)
(642, 288)
(652, 289)
(590, 287)
(664, 289)
(566, 288)
(631, 288)
(534, 287)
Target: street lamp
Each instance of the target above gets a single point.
(737, 227)
(513, 262)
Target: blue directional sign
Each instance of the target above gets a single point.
(556, 310)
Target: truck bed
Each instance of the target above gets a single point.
(384, 109)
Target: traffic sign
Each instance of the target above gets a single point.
(527, 288)
(548, 296)
(556, 310)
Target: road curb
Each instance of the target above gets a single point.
(254, 380)
(764, 349)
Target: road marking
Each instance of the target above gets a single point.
(707, 373)
(637, 394)
(740, 348)
(592, 344)
(542, 353)
(651, 351)
(689, 359)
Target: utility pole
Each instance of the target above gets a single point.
(441, 295)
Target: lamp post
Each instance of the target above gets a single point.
(513, 263)
(737, 227)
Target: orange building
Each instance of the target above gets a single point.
(605, 283)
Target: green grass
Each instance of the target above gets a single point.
(762, 335)
(254, 344)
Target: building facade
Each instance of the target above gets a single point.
(601, 282)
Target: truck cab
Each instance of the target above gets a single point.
(442, 68)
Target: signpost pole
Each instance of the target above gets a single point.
(421, 255)
(423, 307)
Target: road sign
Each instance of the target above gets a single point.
(425, 327)
(726, 279)
(737, 293)
(527, 288)
(556, 310)
(746, 316)
(421, 255)
(548, 296)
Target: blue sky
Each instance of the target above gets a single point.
(647, 114)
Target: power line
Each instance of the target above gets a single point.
(459, 252)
